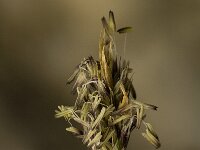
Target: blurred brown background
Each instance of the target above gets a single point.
(41, 41)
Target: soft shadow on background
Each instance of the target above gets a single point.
(41, 41)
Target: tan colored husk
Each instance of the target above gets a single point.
(106, 107)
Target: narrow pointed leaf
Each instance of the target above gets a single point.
(150, 128)
(100, 116)
(74, 130)
(146, 106)
(120, 119)
(89, 135)
(95, 139)
(153, 140)
(110, 134)
(106, 26)
(124, 30)
(73, 76)
(83, 123)
(112, 21)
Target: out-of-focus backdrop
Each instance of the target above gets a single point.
(41, 41)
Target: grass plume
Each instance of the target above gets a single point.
(106, 107)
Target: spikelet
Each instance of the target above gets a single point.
(106, 107)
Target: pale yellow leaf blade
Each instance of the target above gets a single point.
(81, 122)
(96, 139)
(89, 135)
(74, 130)
(120, 119)
(100, 116)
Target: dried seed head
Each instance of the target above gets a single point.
(105, 108)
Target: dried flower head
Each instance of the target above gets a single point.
(106, 107)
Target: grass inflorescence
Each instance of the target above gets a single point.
(106, 107)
